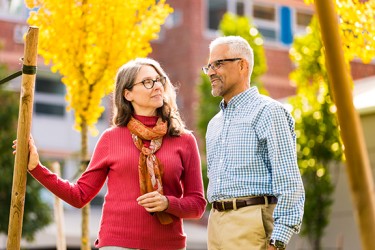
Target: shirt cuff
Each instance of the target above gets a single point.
(282, 233)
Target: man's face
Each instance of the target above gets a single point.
(224, 74)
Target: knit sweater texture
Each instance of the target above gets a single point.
(124, 223)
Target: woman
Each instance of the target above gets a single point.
(150, 161)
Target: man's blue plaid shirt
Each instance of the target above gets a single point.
(251, 151)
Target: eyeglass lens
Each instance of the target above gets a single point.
(149, 83)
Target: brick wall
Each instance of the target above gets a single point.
(182, 50)
(10, 52)
(360, 70)
(276, 79)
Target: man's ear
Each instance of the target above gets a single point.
(128, 95)
(244, 65)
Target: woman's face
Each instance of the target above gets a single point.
(145, 101)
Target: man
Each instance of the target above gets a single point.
(255, 186)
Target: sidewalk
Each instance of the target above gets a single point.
(195, 230)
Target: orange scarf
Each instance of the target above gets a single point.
(149, 167)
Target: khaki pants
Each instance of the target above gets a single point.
(246, 228)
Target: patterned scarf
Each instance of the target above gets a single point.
(149, 167)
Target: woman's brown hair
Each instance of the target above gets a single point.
(123, 109)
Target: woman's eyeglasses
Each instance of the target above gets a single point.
(217, 64)
(149, 83)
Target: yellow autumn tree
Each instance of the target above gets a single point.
(357, 28)
(86, 41)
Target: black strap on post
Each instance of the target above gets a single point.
(28, 70)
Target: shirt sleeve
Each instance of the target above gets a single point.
(192, 204)
(277, 127)
(87, 186)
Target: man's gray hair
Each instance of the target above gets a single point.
(238, 47)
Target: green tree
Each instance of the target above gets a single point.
(318, 138)
(37, 213)
(230, 25)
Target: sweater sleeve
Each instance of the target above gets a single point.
(192, 204)
(87, 186)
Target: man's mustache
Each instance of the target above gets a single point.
(214, 77)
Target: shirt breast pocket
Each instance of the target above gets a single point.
(242, 144)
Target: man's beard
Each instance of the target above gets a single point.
(217, 89)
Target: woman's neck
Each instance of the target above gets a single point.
(148, 121)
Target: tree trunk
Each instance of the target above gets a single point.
(59, 214)
(85, 238)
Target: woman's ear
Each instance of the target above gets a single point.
(128, 95)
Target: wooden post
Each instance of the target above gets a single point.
(23, 135)
(59, 214)
(358, 166)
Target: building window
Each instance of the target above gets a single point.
(266, 13)
(174, 19)
(14, 9)
(240, 8)
(49, 109)
(49, 86)
(268, 33)
(303, 19)
(18, 33)
(216, 10)
(265, 17)
(49, 96)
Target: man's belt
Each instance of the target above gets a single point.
(243, 202)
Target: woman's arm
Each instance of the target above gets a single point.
(88, 184)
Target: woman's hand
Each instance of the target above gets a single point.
(153, 202)
(34, 157)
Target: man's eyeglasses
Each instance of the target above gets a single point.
(149, 83)
(217, 64)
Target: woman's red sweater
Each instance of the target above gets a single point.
(124, 223)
